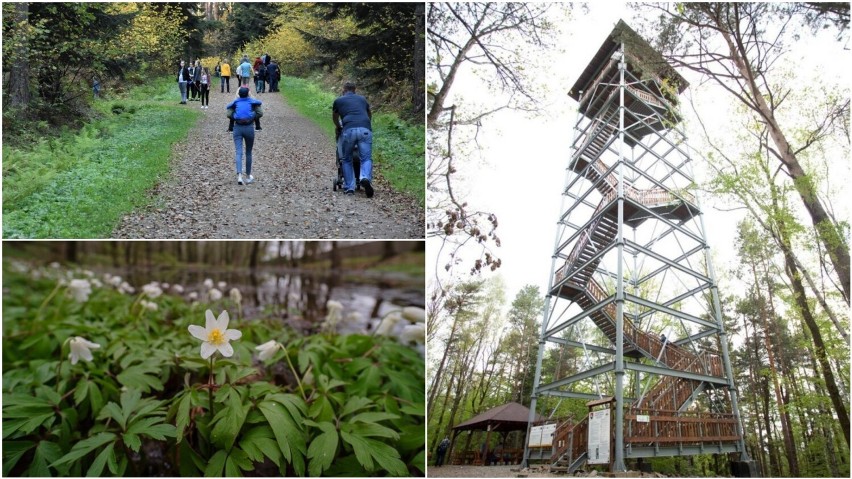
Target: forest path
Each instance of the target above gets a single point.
(291, 197)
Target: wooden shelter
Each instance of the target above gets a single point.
(501, 419)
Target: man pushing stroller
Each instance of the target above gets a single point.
(352, 117)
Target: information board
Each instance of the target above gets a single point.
(542, 436)
(599, 424)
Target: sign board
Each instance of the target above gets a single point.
(643, 418)
(599, 425)
(542, 436)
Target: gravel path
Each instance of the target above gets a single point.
(483, 471)
(292, 197)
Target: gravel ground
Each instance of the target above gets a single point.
(483, 471)
(292, 197)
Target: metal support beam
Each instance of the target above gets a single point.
(661, 371)
(561, 326)
(578, 345)
(673, 312)
(664, 260)
(577, 377)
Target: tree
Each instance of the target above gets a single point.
(248, 21)
(737, 45)
(523, 339)
(386, 35)
(16, 52)
(462, 35)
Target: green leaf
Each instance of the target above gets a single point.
(132, 441)
(12, 453)
(237, 460)
(368, 450)
(355, 403)
(288, 433)
(142, 377)
(260, 441)
(216, 464)
(84, 447)
(81, 392)
(96, 399)
(323, 449)
(419, 461)
(45, 453)
(129, 399)
(111, 410)
(368, 429)
(229, 421)
(98, 465)
(373, 417)
(182, 418)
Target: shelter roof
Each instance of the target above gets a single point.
(508, 417)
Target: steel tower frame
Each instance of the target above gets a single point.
(631, 261)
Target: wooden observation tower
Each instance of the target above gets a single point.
(632, 294)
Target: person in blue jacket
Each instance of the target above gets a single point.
(244, 116)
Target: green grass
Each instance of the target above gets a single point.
(79, 184)
(398, 147)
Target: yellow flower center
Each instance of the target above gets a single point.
(216, 337)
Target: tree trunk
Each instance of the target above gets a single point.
(19, 80)
(827, 231)
(418, 100)
(255, 252)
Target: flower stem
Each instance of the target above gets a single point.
(210, 387)
(296, 374)
(47, 300)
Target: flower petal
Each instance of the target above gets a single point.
(210, 320)
(86, 354)
(232, 334)
(73, 357)
(224, 319)
(265, 345)
(198, 332)
(226, 349)
(207, 349)
(267, 353)
(90, 344)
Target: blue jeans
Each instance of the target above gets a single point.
(244, 132)
(182, 86)
(225, 81)
(261, 86)
(360, 138)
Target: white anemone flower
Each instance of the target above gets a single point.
(236, 296)
(164, 286)
(414, 314)
(268, 349)
(413, 333)
(81, 348)
(221, 285)
(215, 294)
(208, 283)
(115, 281)
(96, 283)
(335, 313)
(126, 288)
(388, 323)
(215, 335)
(55, 265)
(149, 305)
(80, 290)
(192, 296)
(152, 290)
(178, 289)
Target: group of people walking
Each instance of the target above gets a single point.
(351, 114)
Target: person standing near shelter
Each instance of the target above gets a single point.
(183, 79)
(244, 118)
(245, 71)
(442, 450)
(352, 116)
(226, 76)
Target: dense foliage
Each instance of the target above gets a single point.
(144, 403)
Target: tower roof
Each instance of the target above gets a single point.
(641, 58)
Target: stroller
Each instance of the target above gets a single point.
(338, 182)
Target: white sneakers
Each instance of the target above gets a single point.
(249, 179)
(239, 178)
